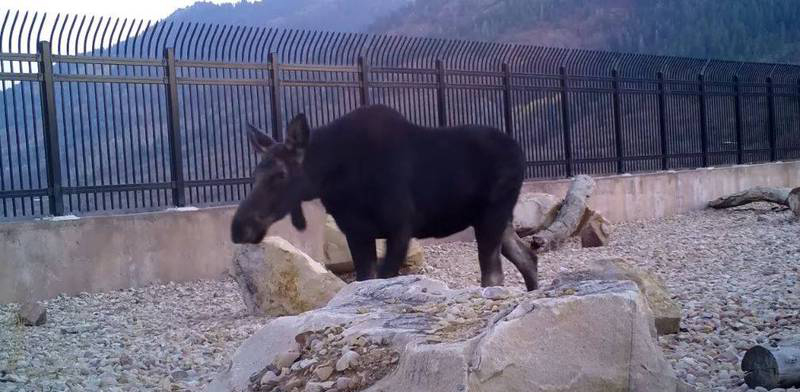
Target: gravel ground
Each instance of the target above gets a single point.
(169, 337)
(734, 271)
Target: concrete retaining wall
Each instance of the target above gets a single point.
(41, 259)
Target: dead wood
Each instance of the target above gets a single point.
(569, 216)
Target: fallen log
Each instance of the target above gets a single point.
(752, 195)
(776, 367)
(569, 215)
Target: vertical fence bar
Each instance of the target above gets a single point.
(773, 153)
(276, 106)
(662, 119)
(441, 93)
(565, 123)
(363, 75)
(703, 125)
(174, 129)
(508, 112)
(617, 119)
(50, 123)
(738, 119)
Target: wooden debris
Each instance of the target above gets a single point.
(569, 216)
(752, 195)
(772, 367)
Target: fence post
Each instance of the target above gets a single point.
(363, 75)
(617, 119)
(738, 119)
(50, 123)
(662, 119)
(703, 130)
(174, 129)
(565, 123)
(773, 142)
(508, 112)
(276, 102)
(441, 93)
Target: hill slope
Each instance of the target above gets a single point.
(337, 15)
(731, 29)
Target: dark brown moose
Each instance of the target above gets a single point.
(380, 176)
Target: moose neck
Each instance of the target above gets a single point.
(314, 167)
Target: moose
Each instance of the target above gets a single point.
(381, 176)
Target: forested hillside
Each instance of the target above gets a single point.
(766, 30)
(338, 15)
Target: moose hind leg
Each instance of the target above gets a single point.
(489, 237)
(364, 257)
(514, 249)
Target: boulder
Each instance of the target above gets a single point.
(412, 333)
(276, 279)
(32, 314)
(337, 253)
(594, 231)
(534, 212)
(666, 312)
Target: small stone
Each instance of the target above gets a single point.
(108, 381)
(125, 359)
(323, 372)
(304, 364)
(318, 386)
(295, 382)
(349, 359)
(344, 383)
(761, 389)
(495, 293)
(179, 375)
(32, 314)
(269, 380)
(286, 359)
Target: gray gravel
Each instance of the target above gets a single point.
(734, 271)
(168, 337)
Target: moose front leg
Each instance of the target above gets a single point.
(396, 249)
(364, 256)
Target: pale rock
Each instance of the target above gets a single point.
(276, 279)
(323, 373)
(348, 360)
(666, 311)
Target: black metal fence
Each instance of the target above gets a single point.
(102, 114)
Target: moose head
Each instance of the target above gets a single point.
(280, 184)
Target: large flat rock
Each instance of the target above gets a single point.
(414, 334)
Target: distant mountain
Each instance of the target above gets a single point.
(336, 15)
(765, 30)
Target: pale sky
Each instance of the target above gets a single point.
(139, 9)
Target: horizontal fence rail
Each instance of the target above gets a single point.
(102, 114)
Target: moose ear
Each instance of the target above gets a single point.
(258, 138)
(298, 133)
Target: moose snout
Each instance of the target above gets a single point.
(246, 231)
